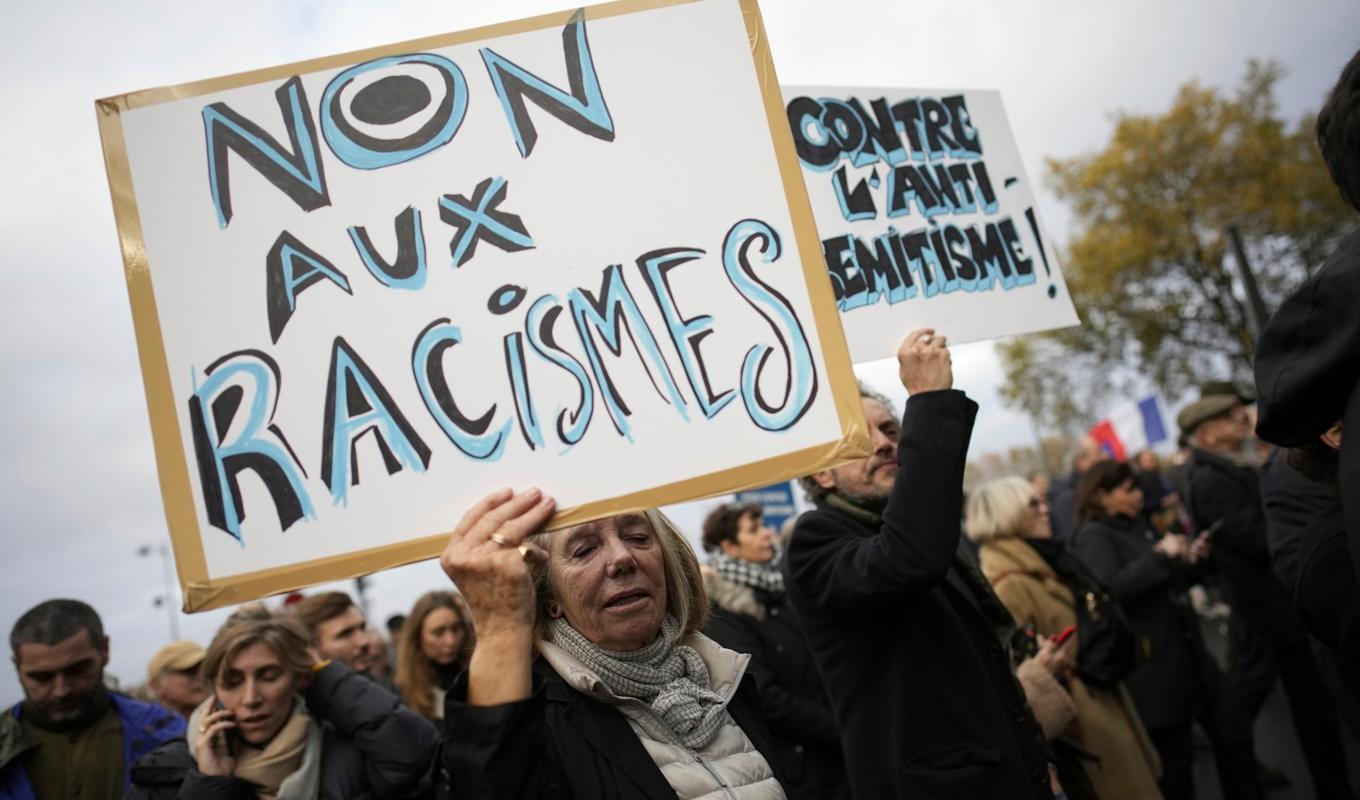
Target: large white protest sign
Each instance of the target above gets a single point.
(926, 215)
(371, 288)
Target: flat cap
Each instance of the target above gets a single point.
(175, 656)
(1205, 409)
(1245, 394)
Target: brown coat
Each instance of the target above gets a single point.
(1107, 724)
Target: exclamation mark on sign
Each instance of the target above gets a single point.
(1039, 240)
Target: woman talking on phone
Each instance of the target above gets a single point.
(1047, 588)
(283, 724)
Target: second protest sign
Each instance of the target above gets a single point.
(926, 215)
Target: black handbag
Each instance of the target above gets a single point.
(1107, 647)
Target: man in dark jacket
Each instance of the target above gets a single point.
(1307, 373)
(1226, 492)
(1304, 518)
(1062, 497)
(751, 614)
(71, 737)
(905, 640)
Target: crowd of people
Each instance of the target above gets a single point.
(1032, 638)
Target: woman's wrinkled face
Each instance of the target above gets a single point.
(441, 636)
(1125, 500)
(754, 541)
(259, 690)
(1037, 523)
(609, 581)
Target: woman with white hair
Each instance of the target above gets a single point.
(590, 678)
(1041, 584)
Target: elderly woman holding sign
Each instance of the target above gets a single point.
(590, 678)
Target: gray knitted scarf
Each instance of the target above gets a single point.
(747, 573)
(669, 677)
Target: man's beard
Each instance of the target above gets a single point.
(868, 495)
(875, 502)
(94, 707)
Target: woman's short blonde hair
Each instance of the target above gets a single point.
(255, 624)
(686, 599)
(998, 509)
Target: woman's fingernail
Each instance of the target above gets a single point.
(534, 493)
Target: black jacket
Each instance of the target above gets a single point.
(1062, 505)
(1327, 597)
(1230, 494)
(1308, 370)
(373, 748)
(1150, 588)
(920, 685)
(1292, 503)
(561, 744)
(797, 711)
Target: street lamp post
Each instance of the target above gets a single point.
(166, 598)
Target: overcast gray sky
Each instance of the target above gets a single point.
(78, 487)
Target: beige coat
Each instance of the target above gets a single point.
(1107, 724)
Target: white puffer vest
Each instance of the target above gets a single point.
(729, 768)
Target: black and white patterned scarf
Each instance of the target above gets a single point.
(671, 678)
(764, 577)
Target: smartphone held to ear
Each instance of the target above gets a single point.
(227, 739)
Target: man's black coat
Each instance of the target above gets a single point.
(1229, 494)
(920, 685)
(1292, 503)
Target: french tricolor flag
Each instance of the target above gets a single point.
(1132, 427)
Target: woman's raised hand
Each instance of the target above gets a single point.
(211, 752)
(488, 558)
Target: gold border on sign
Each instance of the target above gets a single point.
(176, 493)
(202, 592)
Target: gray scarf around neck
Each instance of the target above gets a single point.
(670, 677)
(748, 573)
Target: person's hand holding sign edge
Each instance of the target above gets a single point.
(489, 560)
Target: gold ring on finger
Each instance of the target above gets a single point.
(524, 551)
(501, 540)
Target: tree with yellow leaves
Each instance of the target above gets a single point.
(1151, 266)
